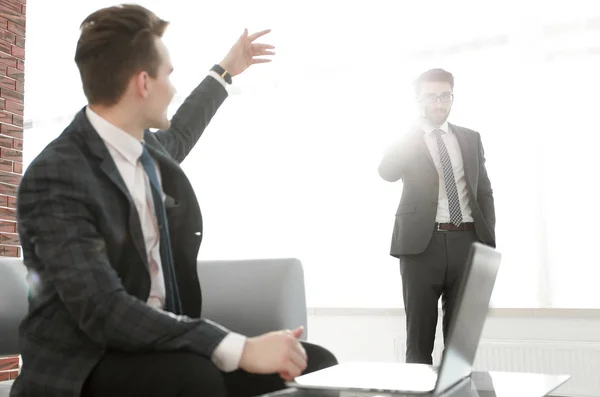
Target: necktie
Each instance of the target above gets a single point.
(173, 301)
(449, 181)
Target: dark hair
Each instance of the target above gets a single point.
(438, 75)
(115, 43)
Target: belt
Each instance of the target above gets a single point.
(451, 227)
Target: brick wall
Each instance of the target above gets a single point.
(12, 89)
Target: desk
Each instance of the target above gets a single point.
(480, 384)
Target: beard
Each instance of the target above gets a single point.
(436, 117)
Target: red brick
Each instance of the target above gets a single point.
(18, 144)
(9, 190)
(13, 107)
(3, 23)
(12, 6)
(7, 59)
(12, 202)
(3, 203)
(6, 165)
(9, 177)
(5, 46)
(9, 250)
(23, 9)
(8, 214)
(20, 87)
(20, 41)
(3, 70)
(18, 52)
(15, 73)
(7, 36)
(6, 82)
(11, 130)
(8, 226)
(10, 14)
(20, 65)
(18, 167)
(11, 154)
(9, 362)
(17, 120)
(9, 238)
(8, 375)
(6, 141)
(17, 19)
(2, 104)
(11, 95)
(17, 28)
(6, 117)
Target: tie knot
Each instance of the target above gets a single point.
(437, 132)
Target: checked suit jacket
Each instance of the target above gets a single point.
(84, 249)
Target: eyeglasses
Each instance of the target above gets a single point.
(431, 98)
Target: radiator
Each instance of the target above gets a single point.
(581, 360)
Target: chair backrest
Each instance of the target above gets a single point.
(13, 303)
(255, 296)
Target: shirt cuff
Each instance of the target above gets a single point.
(218, 77)
(228, 353)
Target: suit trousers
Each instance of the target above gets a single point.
(184, 374)
(434, 273)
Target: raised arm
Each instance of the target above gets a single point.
(192, 117)
(391, 167)
(195, 113)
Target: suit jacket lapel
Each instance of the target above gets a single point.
(108, 166)
(468, 155)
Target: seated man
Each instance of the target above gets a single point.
(110, 229)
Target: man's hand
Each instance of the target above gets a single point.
(245, 52)
(275, 352)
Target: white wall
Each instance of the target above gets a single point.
(372, 335)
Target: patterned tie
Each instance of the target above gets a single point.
(173, 301)
(449, 181)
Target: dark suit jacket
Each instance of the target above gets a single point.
(83, 245)
(411, 161)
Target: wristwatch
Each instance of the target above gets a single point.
(222, 72)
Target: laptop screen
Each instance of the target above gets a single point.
(471, 312)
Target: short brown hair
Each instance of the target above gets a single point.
(115, 43)
(438, 75)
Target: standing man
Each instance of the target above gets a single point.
(110, 229)
(446, 205)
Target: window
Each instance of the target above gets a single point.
(288, 167)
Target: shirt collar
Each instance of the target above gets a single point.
(129, 147)
(428, 129)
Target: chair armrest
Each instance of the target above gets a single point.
(252, 297)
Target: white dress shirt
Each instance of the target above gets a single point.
(449, 138)
(126, 150)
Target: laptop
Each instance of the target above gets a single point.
(461, 346)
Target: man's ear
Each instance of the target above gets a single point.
(141, 81)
